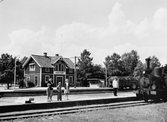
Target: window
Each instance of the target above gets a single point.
(32, 66)
(27, 78)
(47, 70)
(71, 79)
(56, 67)
(47, 78)
(59, 67)
(70, 71)
(62, 68)
(35, 80)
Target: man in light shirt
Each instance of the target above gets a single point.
(115, 85)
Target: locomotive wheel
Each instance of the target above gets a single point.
(145, 95)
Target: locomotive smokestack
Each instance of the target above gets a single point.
(148, 62)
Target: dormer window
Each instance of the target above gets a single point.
(47, 70)
(32, 66)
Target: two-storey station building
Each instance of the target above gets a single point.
(39, 68)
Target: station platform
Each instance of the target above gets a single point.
(42, 91)
(72, 97)
(14, 99)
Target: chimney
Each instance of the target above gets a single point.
(148, 62)
(56, 54)
(45, 54)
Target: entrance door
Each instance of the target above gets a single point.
(59, 79)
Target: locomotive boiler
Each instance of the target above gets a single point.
(153, 84)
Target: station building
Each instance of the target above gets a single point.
(39, 68)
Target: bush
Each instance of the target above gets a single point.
(30, 84)
(21, 84)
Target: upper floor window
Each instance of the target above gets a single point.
(32, 66)
(70, 71)
(47, 70)
(56, 67)
(63, 68)
(59, 67)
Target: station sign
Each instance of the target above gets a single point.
(59, 72)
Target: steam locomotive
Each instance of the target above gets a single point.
(152, 85)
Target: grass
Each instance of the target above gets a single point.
(148, 113)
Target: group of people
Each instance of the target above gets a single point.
(49, 90)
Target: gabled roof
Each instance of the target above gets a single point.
(48, 61)
(43, 61)
(69, 63)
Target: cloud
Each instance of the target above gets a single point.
(71, 39)
(142, 30)
(160, 20)
(75, 32)
(116, 17)
(25, 42)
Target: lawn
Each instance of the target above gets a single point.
(148, 113)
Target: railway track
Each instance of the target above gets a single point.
(58, 111)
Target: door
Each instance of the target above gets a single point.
(59, 79)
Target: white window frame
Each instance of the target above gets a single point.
(46, 77)
(32, 67)
(27, 77)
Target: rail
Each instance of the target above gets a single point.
(68, 110)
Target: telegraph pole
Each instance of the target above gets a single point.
(75, 73)
(75, 70)
(105, 72)
(15, 72)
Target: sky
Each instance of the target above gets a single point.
(67, 27)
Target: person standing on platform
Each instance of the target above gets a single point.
(59, 94)
(49, 92)
(115, 85)
(66, 89)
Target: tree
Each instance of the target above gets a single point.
(7, 69)
(154, 62)
(97, 72)
(113, 64)
(130, 61)
(138, 71)
(84, 65)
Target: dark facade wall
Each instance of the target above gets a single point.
(72, 76)
(50, 70)
(37, 68)
(69, 71)
(43, 82)
(32, 78)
